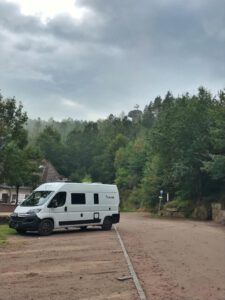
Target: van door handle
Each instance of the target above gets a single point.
(65, 208)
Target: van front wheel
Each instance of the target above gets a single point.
(21, 231)
(107, 224)
(45, 227)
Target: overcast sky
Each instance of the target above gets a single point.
(86, 59)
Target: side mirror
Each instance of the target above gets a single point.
(54, 203)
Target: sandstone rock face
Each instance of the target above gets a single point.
(200, 213)
(218, 214)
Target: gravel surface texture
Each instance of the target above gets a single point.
(71, 265)
(176, 259)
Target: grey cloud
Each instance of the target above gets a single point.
(62, 26)
(40, 45)
(12, 20)
(66, 28)
(127, 52)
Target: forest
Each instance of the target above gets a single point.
(176, 145)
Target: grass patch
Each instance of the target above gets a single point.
(5, 231)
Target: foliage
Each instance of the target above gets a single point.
(215, 167)
(152, 182)
(12, 119)
(87, 178)
(18, 162)
(181, 140)
(180, 205)
(51, 148)
(176, 144)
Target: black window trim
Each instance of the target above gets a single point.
(81, 201)
(96, 198)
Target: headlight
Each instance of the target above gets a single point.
(14, 215)
(34, 211)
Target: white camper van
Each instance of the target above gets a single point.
(65, 205)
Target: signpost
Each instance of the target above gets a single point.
(160, 200)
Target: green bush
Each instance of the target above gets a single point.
(185, 206)
(131, 200)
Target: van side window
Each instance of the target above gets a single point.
(96, 199)
(61, 198)
(77, 198)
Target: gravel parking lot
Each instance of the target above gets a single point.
(65, 265)
(174, 260)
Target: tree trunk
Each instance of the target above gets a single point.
(17, 194)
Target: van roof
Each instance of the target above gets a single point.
(82, 187)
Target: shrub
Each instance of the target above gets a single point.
(185, 206)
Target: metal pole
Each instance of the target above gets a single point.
(160, 200)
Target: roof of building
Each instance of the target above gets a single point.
(50, 174)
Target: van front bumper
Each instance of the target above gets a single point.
(21, 222)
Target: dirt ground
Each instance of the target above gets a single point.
(66, 266)
(174, 260)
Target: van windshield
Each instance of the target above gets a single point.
(37, 198)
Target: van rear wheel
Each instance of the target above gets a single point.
(107, 224)
(45, 227)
